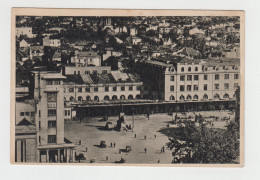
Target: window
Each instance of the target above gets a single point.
(205, 96)
(87, 89)
(75, 72)
(216, 86)
(195, 97)
(51, 124)
(27, 114)
(205, 77)
(95, 89)
(48, 82)
(189, 69)
(52, 112)
(57, 82)
(114, 88)
(189, 77)
(106, 88)
(171, 88)
(51, 138)
(235, 85)
(182, 88)
(95, 72)
(205, 87)
(188, 87)
(196, 77)
(226, 76)
(51, 97)
(104, 72)
(195, 87)
(80, 89)
(182, 69)
(123, 88)
(78, 72)
(39, 125)
(182, 78)
(216, 76)
(71, 90)
(130, 88)
(21, 113)
(236, 76)
(138, 88)
(226, 86)
(39, 113)
(196, 68)
(172, 78)
(32, 114)
(87, 72)
(80, 98)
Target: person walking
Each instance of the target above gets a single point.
(135, 135)
(111, 144)
(114, 144)
(106, 158)
(158, 161)
(145, 150)
(163, 149)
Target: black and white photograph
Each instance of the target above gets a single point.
(122, 89)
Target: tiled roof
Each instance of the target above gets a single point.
(102, 78)
(75, 78)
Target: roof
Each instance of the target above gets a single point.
(24, 122)
(86, 54)
(158, 63)
(102, 78)
(119, 76)
(222, 62)
(86, 78)
(75, 78)
(53, 76)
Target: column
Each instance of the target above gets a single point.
(47, 156)
(58, 158)
(73, 155)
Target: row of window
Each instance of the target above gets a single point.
(189, 69)
(94, 72)
(205, 87)
(196, 97)
(52, 82)
(106, 98)
(96, 89)
(205, 77)
(27, 114)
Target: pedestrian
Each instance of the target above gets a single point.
(111, 144)
(135, 135)
(163, 149)
(86, 149)
(114, 144)
(155, 136)
(144, 137)
(158, 161)
(106, 158)
(148, 116)
(145, 150)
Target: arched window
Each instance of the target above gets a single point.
(114, 97)
(226, 96)
(138, 96)
(96, 98)
(122, 97)
(106, 98)
(188, 97)
(196, 68)
(80, 98)
(195, 97)
(172, 98)
(130, 97)
(205, 97)
(182, 69)
(189, 69)
(71, 98)
(182, 98)
(216, 96)
(88, 98)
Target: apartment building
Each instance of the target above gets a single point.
(85, 58)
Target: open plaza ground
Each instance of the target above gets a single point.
(150, 135)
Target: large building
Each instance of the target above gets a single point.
(190, 80)
(24, 31)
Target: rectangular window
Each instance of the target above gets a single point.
(226, 86)
(87, 72)
(51, 124)
(196, 77)
(216, 86)
(188, 87)
(51, 97)
(205, 87)
(95, 72)
(172, 78)
(235, 85)
(68, 112)
(106, 88)
(71, 90)
(95, 89)
(171, 88)
(236, 76)
(27, 114)
(226, 76)
(195, 87)
(130, 88)
(182, 78)
(87, 89)
(48, 82)
(182, 88)
(65, 112)
(80, 89)
(39, 113)
(123, 88)
(205, 77)
(32, 114)
(114, 88)
(51, 138)
(216, 76)
(189, 77)
(104, 72)
(40, 125)
(56, 82)
(21, 113)
(52, 112)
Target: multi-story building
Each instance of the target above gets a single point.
(190, 80)
(84, 58)
(24, 31)
(52, 146)
(51, 42)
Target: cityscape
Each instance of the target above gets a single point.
(127, 90)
